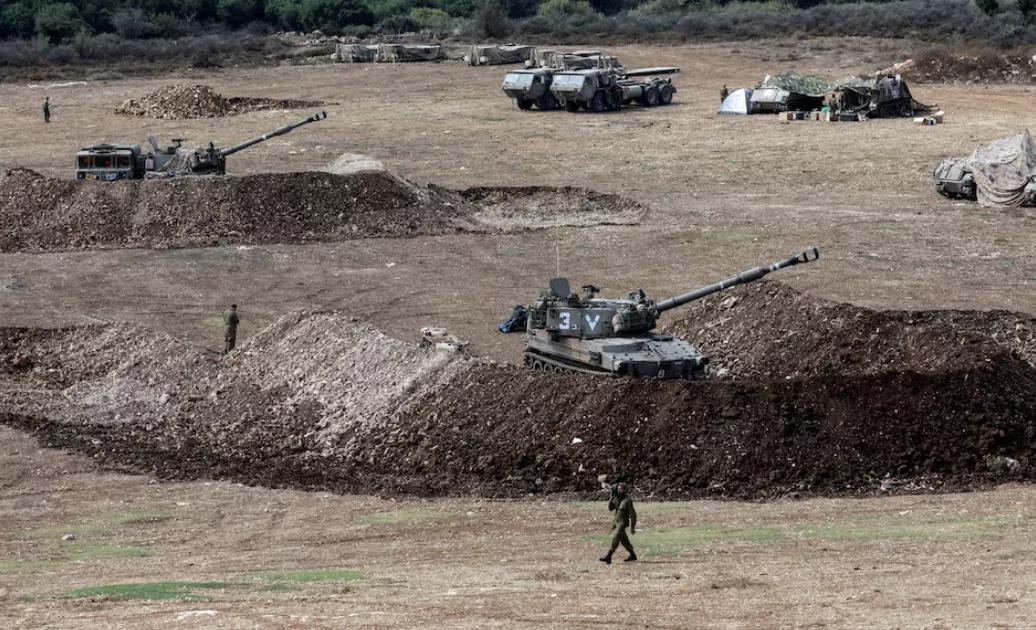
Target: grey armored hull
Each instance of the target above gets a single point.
(649, 356)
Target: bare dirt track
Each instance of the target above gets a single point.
(276, 558)
(725, 194)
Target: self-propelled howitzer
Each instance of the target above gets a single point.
(568, 332)
(213, 161)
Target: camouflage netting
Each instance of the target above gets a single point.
(181, 101)
(818, 398)
(1003, 169)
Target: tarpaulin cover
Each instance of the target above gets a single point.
(737, 102)
(487, 55)
(1002, 169)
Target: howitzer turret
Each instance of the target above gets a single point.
(211, 160)
(568, 332)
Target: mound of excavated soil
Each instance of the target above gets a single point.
(180, 101)
(44, 213)
(319, 400)
(543, 207)
(768, 330)
(944, 66)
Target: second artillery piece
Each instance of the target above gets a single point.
(109, 162)
(567, 332)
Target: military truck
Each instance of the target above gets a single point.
(531, 86)
(608, 88)
(108, 162)
(567, 332)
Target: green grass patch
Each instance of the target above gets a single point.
(135, 517)
(311, 575)
(882, 528)
(28, 567)
(644, 508)
(405, 515)
(148, 590)
(82, 550)
(278, 588)
(672, 542)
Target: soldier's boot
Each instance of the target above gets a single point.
(631, 558)
(607, 558)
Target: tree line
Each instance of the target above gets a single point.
(57, 21)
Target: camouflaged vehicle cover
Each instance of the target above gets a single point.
(487, 55)
(1002, 170)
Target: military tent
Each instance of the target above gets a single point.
(737, 102)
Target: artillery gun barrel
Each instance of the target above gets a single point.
(751, 275)
(276, 132)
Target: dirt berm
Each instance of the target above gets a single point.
(319, 400)
(44, 213)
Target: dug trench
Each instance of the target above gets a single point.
(891, 401)
(39, 213)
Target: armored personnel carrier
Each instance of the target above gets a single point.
(608, 88)
(567, 332)
(108, 162)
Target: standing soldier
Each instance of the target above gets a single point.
(46, 110)
(723, 94)
(625, 516)
(231, 320)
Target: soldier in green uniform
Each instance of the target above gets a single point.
(723, 94)
(231, 320)
(625, 516)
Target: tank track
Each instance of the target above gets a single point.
(552, 365)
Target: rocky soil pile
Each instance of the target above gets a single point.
(542, 207)
(43, 213)
(181, 101)
(944, 66)
(768, 330)
(320, 400)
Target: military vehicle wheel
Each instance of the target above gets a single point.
(650, 97)
(572, 106)
(525, 103)
(599, 102)
(538, 366)
(547, 102)
(665, 95)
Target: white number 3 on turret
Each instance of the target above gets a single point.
(564, 320)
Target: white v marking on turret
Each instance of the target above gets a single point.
(592, 323)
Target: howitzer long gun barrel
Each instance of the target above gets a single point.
(279, 131)
(751, 275)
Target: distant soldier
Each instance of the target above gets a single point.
(723, 94)
(231, 320)
(46, 110)
(625, 516)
